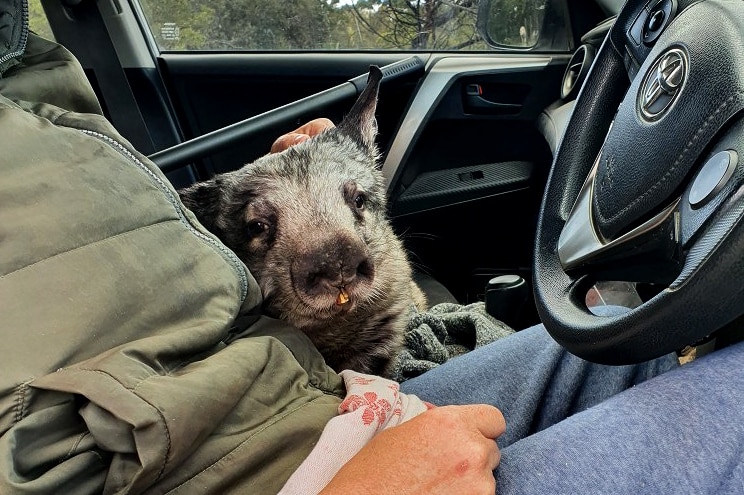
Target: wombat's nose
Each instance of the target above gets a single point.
(332, 266)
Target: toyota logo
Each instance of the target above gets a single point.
(662, 84)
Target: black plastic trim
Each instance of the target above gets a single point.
(457, 185)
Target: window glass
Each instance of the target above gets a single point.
(314, 24)
(37, 20)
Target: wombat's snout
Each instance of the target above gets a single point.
(335, 267)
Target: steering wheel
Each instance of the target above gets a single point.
(647, 185)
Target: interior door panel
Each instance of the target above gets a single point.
(473, 165)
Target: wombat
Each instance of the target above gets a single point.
(311, 225)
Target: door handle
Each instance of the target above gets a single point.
(475, 102)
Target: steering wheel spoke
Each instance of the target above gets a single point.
(582, 249)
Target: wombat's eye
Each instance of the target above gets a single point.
(359, 201)
(257, 228)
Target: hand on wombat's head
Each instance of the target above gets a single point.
(310, 223)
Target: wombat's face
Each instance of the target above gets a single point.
(310, 224)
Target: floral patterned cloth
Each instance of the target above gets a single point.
(372, 404)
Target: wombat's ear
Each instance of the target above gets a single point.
(360, 122)
(203, 199)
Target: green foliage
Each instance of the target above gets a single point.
(180, 24)
(421, 24)
(262, 25)
(313, 24)
(228, 25)
(330, 24)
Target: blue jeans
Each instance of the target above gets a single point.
(580, 428)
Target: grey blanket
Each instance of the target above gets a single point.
(443, 332)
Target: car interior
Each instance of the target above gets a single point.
(489, 156)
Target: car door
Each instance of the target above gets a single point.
(463, 151)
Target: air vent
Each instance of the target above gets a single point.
(578, 68)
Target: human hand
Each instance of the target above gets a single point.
(445, 450)
(302, 133)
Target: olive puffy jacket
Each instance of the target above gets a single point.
(130, 362)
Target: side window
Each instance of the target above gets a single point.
(330, 25)
(37, 20)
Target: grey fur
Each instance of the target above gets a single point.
(310, 223)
